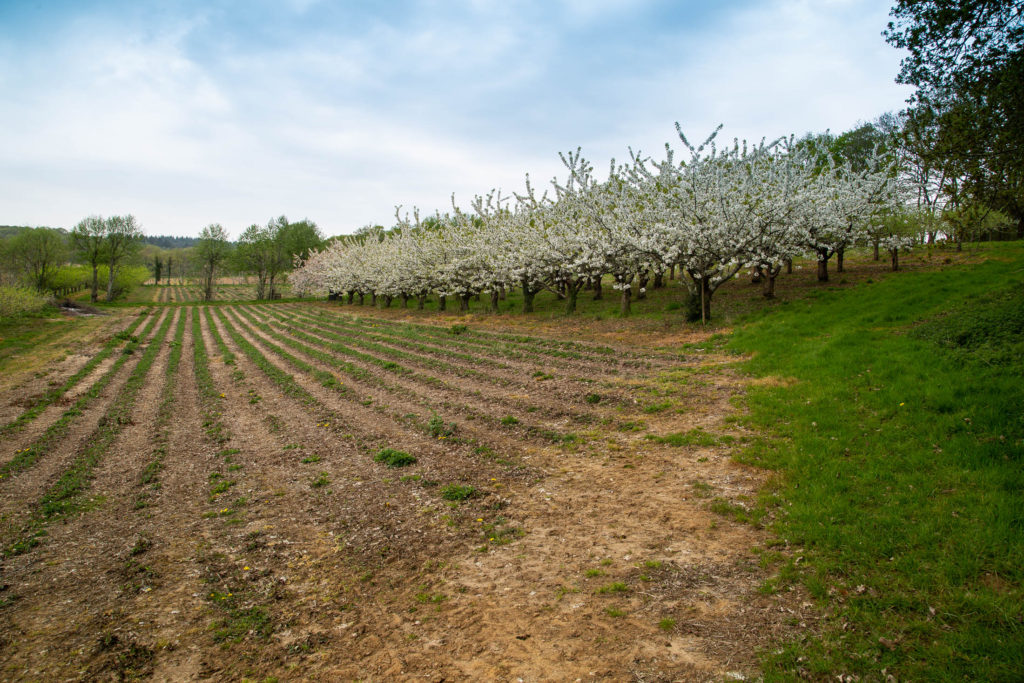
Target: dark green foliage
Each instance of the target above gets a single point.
(989, 329)
(394, 458)
(457, 492)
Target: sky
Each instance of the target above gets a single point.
(196, 112)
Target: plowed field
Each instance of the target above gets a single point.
(290, 491)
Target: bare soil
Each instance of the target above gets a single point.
(271, 545)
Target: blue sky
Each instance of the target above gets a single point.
(190, 113)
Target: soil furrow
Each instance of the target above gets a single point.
(405, 397)
(21, 402)
(382, 425)
(25, 484)
(509, 353)
(502, 404)
(85, 557)
(524, 380)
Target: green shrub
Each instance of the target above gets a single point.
(457, 491)
(15, 301)
(394, 458)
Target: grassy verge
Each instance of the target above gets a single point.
(898, 436)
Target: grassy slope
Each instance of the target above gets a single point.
(900, 449)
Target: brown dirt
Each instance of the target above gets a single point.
(595, 559)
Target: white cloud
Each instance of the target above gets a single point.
(186, 123)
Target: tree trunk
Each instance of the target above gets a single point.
(495, 296)
(1020, 228)
(789, 266)
(373, 298)
(464, 303)
(528, 295)
(659, 279)
(351, 295)
(421, 301)
(625, 302)
(598, 288)
(756, 275)
(405, 300)
(768, 284)
(672, 272)
(840, 253)
(704, 293)
(361, 299)
(641, 282)
(822, 269)
(442, 303)
(110, 284)
(570, 300)
(895, 253)
(876, 250)
(95, 294)
(386, 299)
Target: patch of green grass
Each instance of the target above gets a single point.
(322, 479)
(658, 407)
(509, 420)
(667, 624)
(437, 427)
(694, 437)
(899, 440)
(592, 399)
(457, 492)
(394, 458)
(614, 587)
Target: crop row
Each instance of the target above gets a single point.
(56, 431)
(503, 345)
(409, 365)
(435, 395)
(506, 366)
(54, 394)
(150, 475)
(66, 494)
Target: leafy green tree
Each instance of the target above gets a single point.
(89, 239)
(40, 252)
(212, 250)
(269, 251)
(123, 238)
(967, 61)
(254, 254)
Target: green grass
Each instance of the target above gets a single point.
(899, 450)
(394, 458)
(694, 437)
(457, 492)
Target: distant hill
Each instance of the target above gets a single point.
(162, 241)
(11, 230)
(170, 242)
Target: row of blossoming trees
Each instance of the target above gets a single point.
(710, 215)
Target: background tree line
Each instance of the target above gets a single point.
(109, 256)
